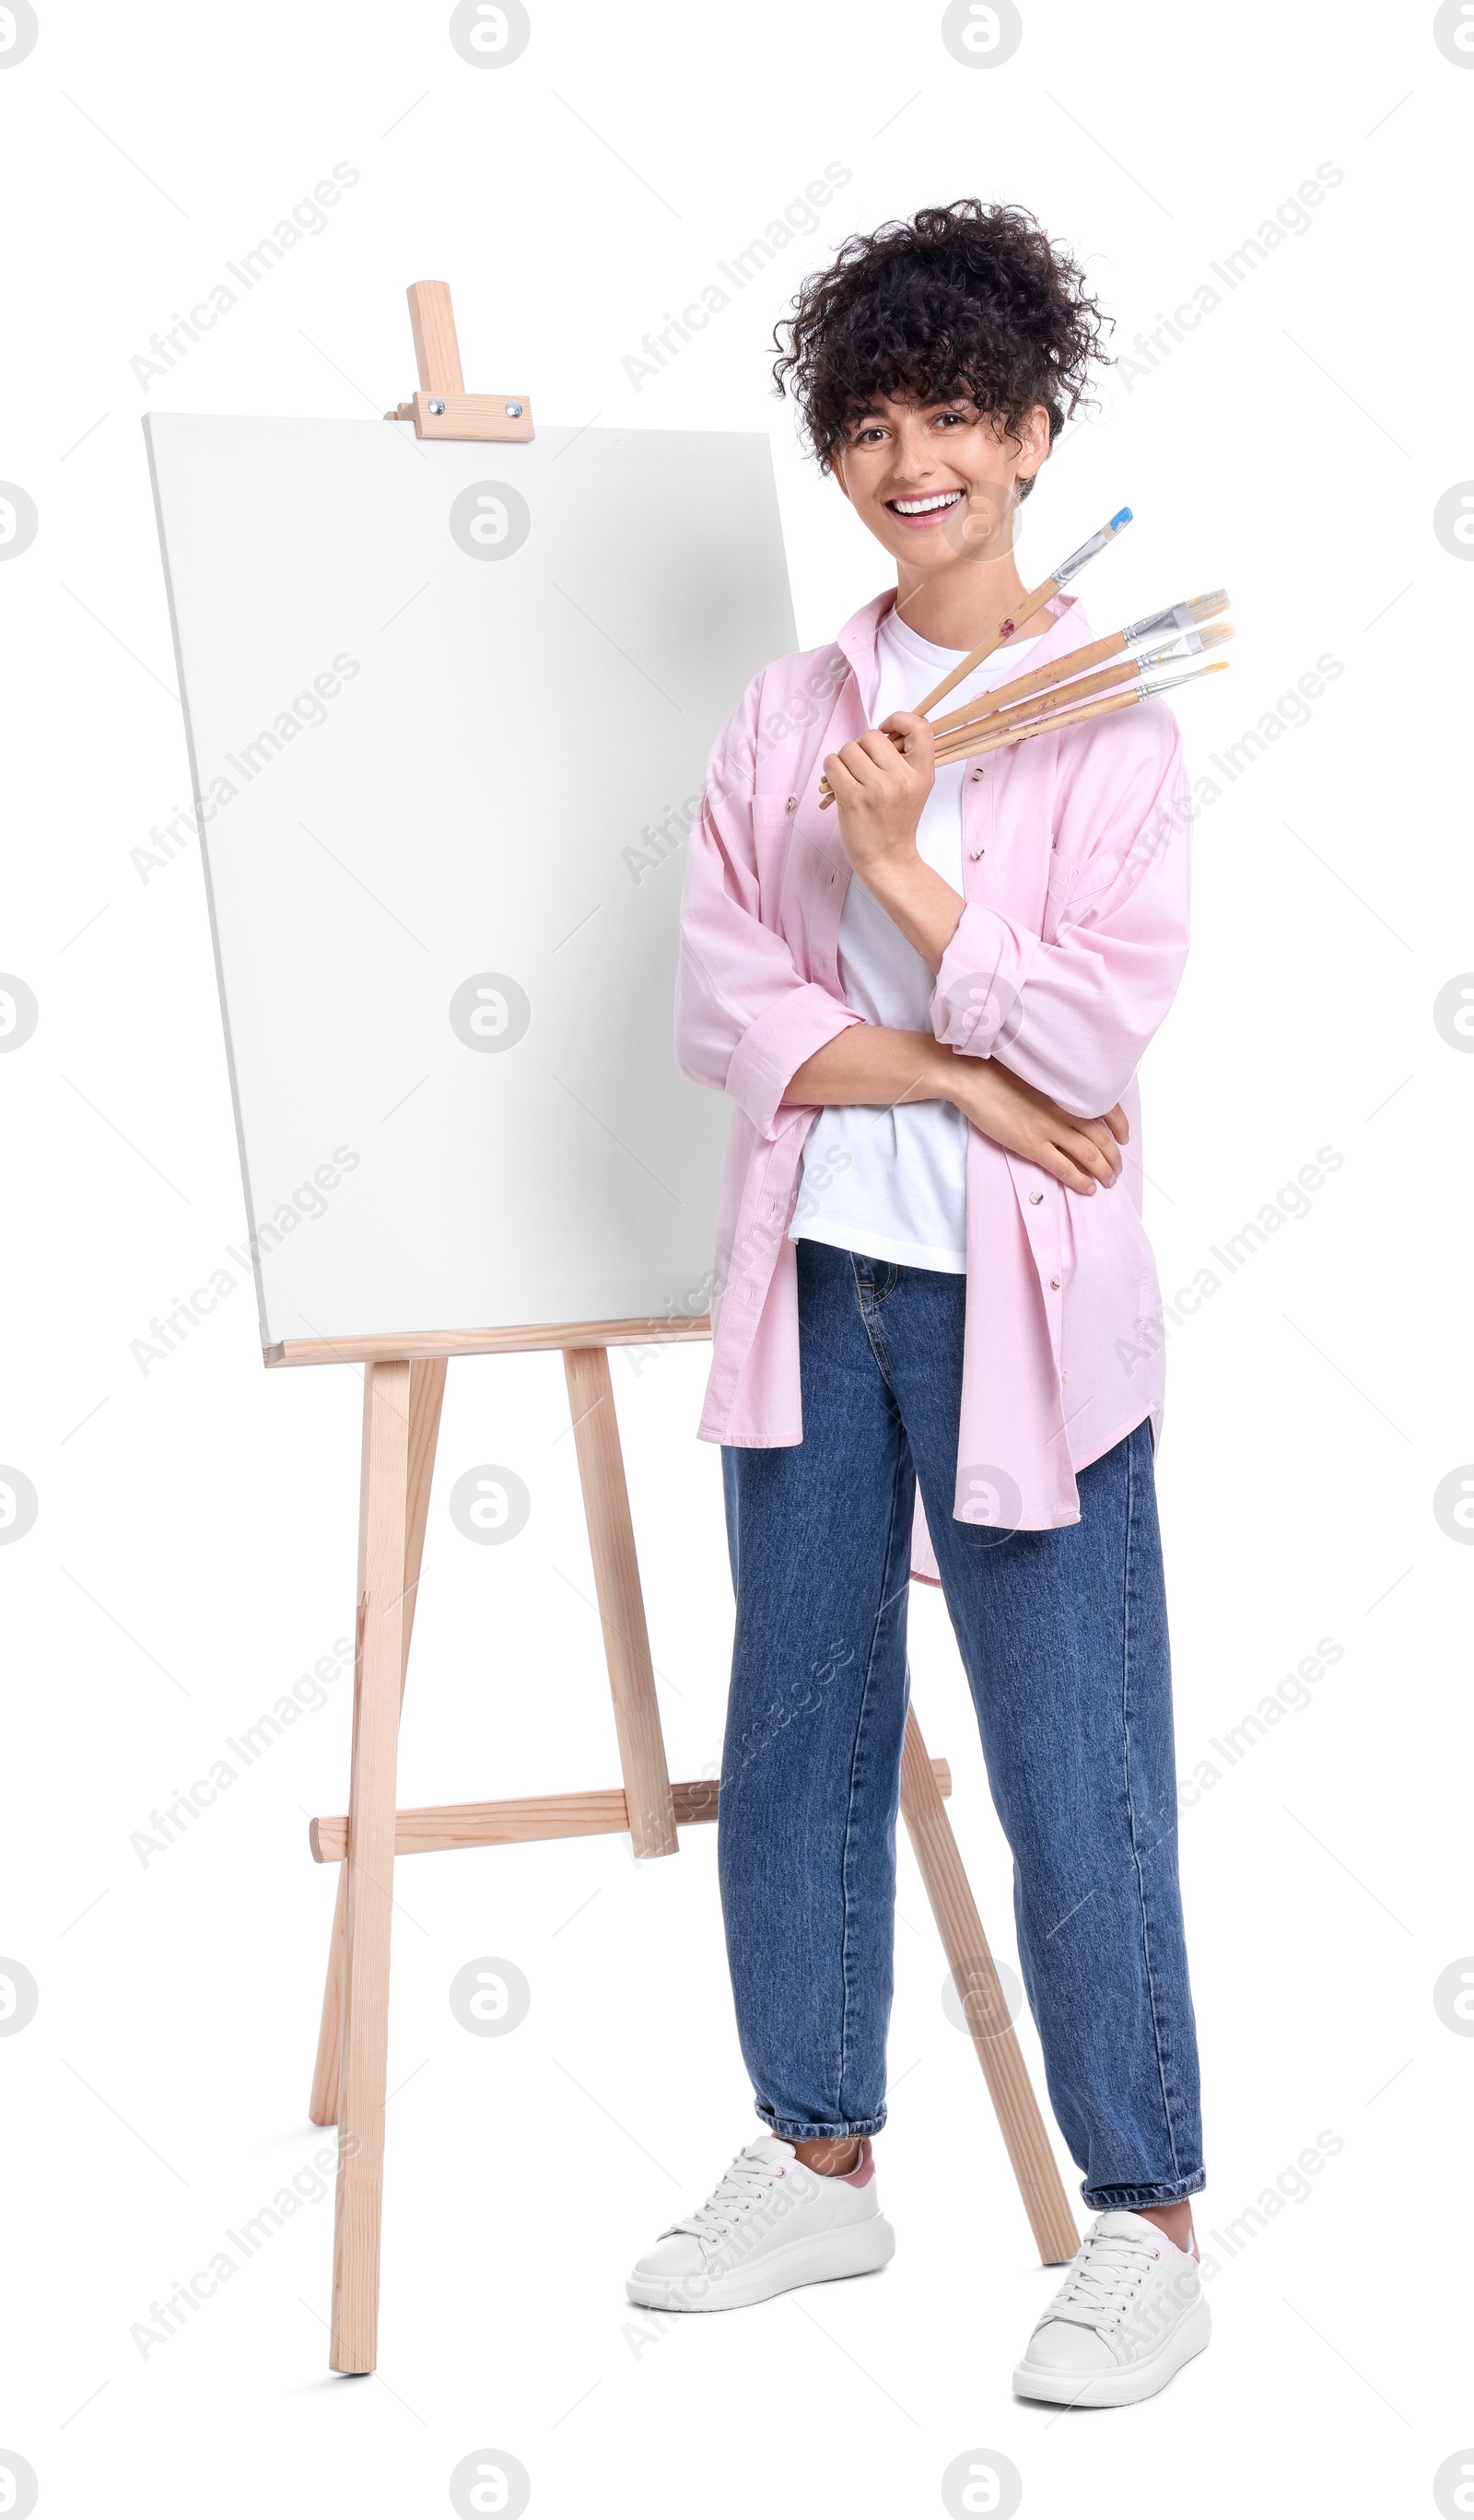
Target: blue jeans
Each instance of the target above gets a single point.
(1063, 1637)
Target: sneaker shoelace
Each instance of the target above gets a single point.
(1103, 2279)
(736, 2192)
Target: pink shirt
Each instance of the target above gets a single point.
(1065, 960)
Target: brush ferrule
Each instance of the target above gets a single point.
(1150, 690)
(1068, 568)
(1160, 625)
(1171, 651)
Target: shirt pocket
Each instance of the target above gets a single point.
(781, 891)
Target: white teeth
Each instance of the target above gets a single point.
(919, 507)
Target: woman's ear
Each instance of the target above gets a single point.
(1037, 443)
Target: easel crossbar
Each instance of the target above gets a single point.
(441, 1827)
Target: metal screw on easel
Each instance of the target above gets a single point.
(478, 419)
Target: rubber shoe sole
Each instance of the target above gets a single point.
(859, 2249)
(1130, 2382)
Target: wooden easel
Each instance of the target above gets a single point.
(404, 1384)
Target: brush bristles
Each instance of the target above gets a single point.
(1203, 607)
(1150, 690)
(1215, 637)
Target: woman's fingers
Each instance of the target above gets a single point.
(872, 758)
(877, 747)
(1085, 1155)
(1052, 1157)
(916, 734)
(858, 765)
(1102, 1143)
(841, 776)
(1083, 1152)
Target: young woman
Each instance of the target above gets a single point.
(933, 1350)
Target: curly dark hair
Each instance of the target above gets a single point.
(964, 300)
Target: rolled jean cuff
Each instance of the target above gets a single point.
(1129, 2200)
(814, 2129)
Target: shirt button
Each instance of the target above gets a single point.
(1054, 1281)
(791, 805)
(1035, 1195)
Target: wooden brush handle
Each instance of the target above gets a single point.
(1006, 629)
(1025, 711)
(1049, 725)
(1042, 679)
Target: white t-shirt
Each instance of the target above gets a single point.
(894, 1182)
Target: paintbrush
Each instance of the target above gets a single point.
(955, 747)
(1178, 620)
(1032, 603)
(1010, 627)
(1092, 709)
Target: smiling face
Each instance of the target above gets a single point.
(937, 483)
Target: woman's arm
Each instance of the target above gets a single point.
(879, 792)
(1075, 1006)
(871, 1064)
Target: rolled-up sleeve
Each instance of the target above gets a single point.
(1072, 1010)
(745, 1016)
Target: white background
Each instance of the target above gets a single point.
(194, 1548)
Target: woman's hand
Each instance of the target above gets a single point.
(1081, 1154)
(879, 790)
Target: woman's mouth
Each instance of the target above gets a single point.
(920, 514)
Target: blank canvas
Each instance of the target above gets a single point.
(449, 709)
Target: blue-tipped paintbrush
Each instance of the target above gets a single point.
(1032, 603)
(1010, 628)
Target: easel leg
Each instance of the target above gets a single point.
(976, 1981)
(382, 1548)
(427, 1392)
(621, 1605)
(321, 2108)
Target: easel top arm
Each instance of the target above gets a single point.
(442, 408)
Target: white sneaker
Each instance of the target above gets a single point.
(767, 2226)
(1130, 2313)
